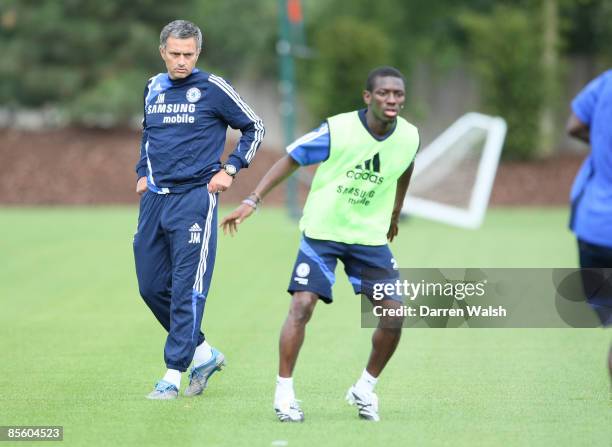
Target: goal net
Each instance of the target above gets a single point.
(453, 176)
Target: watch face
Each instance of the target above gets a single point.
(230, 169)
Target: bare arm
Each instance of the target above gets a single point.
(282, 169)
(578, 129)
(400, 195)
(279, 171)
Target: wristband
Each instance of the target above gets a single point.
(255, 198)
(250, 203)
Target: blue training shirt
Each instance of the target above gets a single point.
(591, 194)
(184, 128)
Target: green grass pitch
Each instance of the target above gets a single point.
(80, 349)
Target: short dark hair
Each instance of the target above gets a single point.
(383, 71)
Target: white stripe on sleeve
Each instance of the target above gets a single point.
(259, 128)
(310, 136)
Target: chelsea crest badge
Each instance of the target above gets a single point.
(193, 94)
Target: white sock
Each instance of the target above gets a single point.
(174, 377)
(366, 382)
(284, 389)
(203, 354)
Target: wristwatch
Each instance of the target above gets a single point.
(230, 169)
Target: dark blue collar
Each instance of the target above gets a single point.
(180, 81)
(364, 121)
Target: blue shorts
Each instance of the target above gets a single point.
(364, 264)
(599, 296)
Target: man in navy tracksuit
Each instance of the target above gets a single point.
(186, 114)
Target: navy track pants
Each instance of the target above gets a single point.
(174, 250)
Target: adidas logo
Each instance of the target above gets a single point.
(195, 233)
(160, 98)
(372, 164)
(368, 172)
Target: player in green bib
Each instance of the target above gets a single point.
(353, 208)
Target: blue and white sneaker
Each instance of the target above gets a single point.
(366, 403)
(163, 391)
(198, 376)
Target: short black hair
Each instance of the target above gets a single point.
(383, 71)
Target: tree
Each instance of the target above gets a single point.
(508, 63)
(70, 52)
(347, 49)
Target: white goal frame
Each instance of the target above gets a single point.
(473, 216)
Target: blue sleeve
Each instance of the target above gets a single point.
(312, 148)
(584, 103)
(141, 166)
(234, 111)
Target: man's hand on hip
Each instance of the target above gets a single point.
(220, 182)
(141, 185)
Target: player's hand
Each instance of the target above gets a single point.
(393, 227)
(231, 221)
(141, 185)
(220, 182)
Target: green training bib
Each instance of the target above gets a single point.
(352, 195)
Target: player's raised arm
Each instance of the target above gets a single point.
(282, 169)
(309, 149)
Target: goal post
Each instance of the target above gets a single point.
(453, 176)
